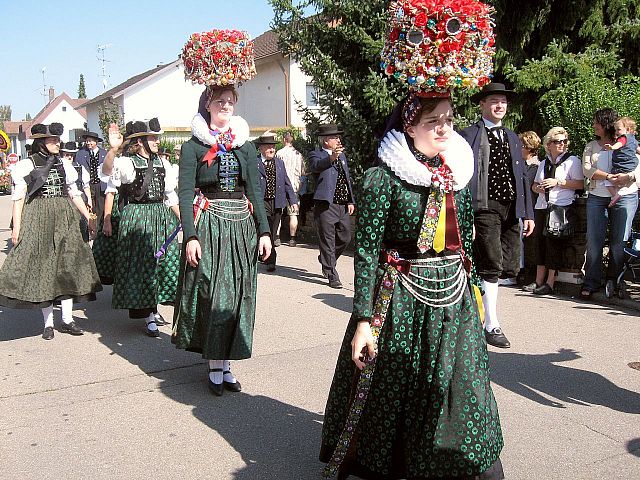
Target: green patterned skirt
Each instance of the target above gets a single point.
(216, 301)
(51, 261)
(140, 280)
(430, 411)
(105, 249)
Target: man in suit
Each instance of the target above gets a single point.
(333, 198)
(91, 157)
(501, 196)
(276, 188)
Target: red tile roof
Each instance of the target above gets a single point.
(13, 128)
(74, 102)
(266, 44)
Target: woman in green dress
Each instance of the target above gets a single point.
(146, 188)
(49, 261)
(411, 397)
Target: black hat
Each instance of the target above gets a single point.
(269, 139)
(86, 135)
(136, 129)
(43, 131)
(329, 129)
(492, 89)
(69, 147)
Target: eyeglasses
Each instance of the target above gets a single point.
(558, 142)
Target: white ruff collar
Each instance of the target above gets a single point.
(238, 126)
(395, 153)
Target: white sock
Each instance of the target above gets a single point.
(151, 322)
(490, 302)
(47, 314)
(216, 377)
(67, 310)
(228, 377)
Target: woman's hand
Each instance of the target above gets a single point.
(115, 137)
(193, 252)
(363, 338)
(620, 180)
(107, 228)
(264, 247)
(15, 234)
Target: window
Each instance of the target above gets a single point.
(312, 95)
(64, 109)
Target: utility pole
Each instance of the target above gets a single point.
(103, 68)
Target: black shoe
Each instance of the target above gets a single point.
(231, 386)
(70, 328)
(160, 321)
(544, 289)
(609, 289)
(496, 338)
(152, 333)
(292, 242)
(335, 284)
(276, 242)
(531, 287)
(216, 388)
(271, 268)
(48, 333)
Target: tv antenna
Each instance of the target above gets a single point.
(45, 94)
(103, 67)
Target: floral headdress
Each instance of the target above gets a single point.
(435, 46)
(218, 58)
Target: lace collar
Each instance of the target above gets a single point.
(238, 125)
(394, 152)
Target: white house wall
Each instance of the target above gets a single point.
(70, 118)
(166, 96)
(298, 82)
(262, 99)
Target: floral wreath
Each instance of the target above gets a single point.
(435, 46)
(218, 57)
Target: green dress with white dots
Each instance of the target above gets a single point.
(430, 411)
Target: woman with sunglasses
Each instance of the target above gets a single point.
(557, 179)
(597, 165)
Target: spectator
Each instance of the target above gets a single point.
(294, 163)
(556, 181)
(530, 146)
(596, 165)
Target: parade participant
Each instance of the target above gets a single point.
(411, 396)
(276, 188)
(334, 200)
(69, 150)
(294, 164)
(91, 156)
(105, 246)
(216, 300)
(149, 215)
(49, 261)
(501, 196)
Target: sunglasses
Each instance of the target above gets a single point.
(558, 142)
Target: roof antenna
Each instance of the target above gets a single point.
(103, 69)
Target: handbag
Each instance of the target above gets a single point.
(561, 222)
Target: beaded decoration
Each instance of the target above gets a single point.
(218, 57)
(434, 46)
(223, 144)
(229, 172)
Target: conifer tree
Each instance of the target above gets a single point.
(82, 93)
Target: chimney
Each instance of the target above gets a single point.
(52, 94)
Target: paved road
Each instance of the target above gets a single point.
(115, 404)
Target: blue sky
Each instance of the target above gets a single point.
(63, 37)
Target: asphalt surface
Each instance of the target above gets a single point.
(115, 404)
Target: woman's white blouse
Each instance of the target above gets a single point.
(124, 173)
(570, 169)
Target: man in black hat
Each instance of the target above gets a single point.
(334, 200)
(501, 196)
(91, 157)
(276, 188)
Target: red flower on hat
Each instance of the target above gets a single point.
(421, 19)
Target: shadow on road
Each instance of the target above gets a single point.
(336, 300)
(527, 375)
(299, 274)
(21, 323)
(633, 447)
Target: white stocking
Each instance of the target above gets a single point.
(216, 377)
(47, 314)
(67, 310)
(228, 377)
(490, 301)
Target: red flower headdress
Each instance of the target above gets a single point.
(435, 46)
(219, 57)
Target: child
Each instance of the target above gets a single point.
(624, 159)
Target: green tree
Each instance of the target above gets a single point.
(27, 117)
(82, 93)
(339, 47)
(5, 113)
(108, 113)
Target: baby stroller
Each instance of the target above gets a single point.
(631, 263)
